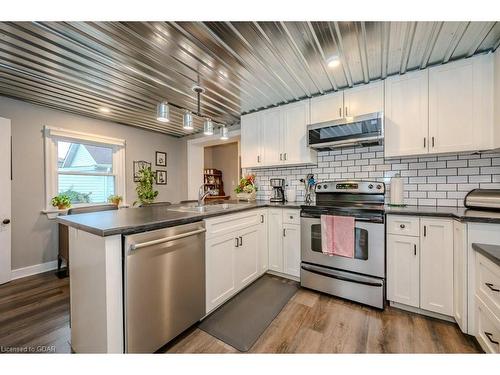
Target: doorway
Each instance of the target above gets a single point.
(221, 170)
(5, 198)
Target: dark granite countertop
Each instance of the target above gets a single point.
(492, 252)
(136, 220)
(462, 214)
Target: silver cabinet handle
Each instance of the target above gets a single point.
(6, 221)
(258, 158)
(425, 146)
(241, 241)
(284, 232)
(284, 155)
(425, 230)
(261, 218)
(432, 141)
(237, 243)
(346, 111)
(415, 249)
(489, 285)
(137, 246)
(340, 111)
(402, 226)
(281, 156)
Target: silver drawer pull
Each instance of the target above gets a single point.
(137, 246)
(489, 336)
(489, 285)
(402, 226)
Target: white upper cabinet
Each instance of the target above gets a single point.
(406, 114)
(271, 136)
(294, 134)
(461, 105)
(251, 150)
(328, 107)
(364, 99)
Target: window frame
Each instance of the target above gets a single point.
(53, 135)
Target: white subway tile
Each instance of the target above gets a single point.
(436, 194)
(490, 170)
(467, 187)
(353, 156)
(418, 194)
(427, 187)
(437, 180)
(436, 164)
(417, 165)
(468, 171)
(426, 172)
(447, 186)
(361, 162)
(447, 172)
(457, 179)
(480, 178)
(479, 162)
(456, 163)
(447, 202)
(426, 202)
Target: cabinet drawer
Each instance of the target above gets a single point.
(403, 225)
(291, 216)
(231, 222)
(488, 283)
(487, 328)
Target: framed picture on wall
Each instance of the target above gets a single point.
(138, 165)
(161, 177)
(161, 159)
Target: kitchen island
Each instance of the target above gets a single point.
(98, 256)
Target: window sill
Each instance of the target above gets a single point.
(53, 213)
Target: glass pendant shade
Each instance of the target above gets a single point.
(208, 127)
(187, 121)
(224, 133)
(163, 112)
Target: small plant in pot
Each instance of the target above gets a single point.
(246, 189)
(115, 199)
(61, 201)
(145, 192)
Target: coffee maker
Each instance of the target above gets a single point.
(278, 193)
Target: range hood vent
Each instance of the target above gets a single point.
(365, 130)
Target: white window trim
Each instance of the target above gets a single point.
(53, 135)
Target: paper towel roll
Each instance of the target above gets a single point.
(397, 190)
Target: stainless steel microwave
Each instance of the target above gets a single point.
(351, 131)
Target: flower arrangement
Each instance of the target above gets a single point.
(246, 189)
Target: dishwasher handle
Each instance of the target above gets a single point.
(137, 246)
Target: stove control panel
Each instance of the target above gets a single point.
(350, 186)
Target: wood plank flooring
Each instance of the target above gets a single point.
(34, 313)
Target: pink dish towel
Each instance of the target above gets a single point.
(337, 235)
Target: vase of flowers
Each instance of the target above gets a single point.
(246, 189)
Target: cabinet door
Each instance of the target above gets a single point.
(436, 266)
(461, 105)
(406, 113)
(460, 275)
(294, 133)
(403, 258)
(291, 249)
(275, 235)
(220, 273)
(251, 140)
(263, 241)
(364, 99)
(271, 137)
(327, 107)
(246, 257)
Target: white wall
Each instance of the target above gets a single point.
(34, 237)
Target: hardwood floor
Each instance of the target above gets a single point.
(34, 313)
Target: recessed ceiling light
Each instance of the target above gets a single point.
(333, 61)
(104, 109)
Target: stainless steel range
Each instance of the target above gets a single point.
(362, 278)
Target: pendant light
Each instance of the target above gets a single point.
(208, 127)
(163, 112)
(187, 120)
(224, 133)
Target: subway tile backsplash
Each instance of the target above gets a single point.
(429, 181)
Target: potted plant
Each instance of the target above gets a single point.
(61, 201)
(246, 189)
(115, 199)
(145, 192)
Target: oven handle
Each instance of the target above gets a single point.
(335, 275)
(365, 220)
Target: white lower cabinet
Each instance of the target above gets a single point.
(460, 274)
(403, 269)
(234, 257)
(420, 266)
(284, 241)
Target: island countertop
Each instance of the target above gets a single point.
(136, 220)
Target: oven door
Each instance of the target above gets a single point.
(369, 257)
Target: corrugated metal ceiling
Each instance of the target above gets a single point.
(130, 66)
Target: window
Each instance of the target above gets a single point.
(87, 168)
(85, 172)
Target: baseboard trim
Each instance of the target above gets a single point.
(284, 275)
(416, 310)
(33, 270)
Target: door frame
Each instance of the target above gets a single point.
(196, 158)
(6, 209)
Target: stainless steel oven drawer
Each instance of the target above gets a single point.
(363, 289)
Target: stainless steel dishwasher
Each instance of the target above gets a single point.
(164, 285)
